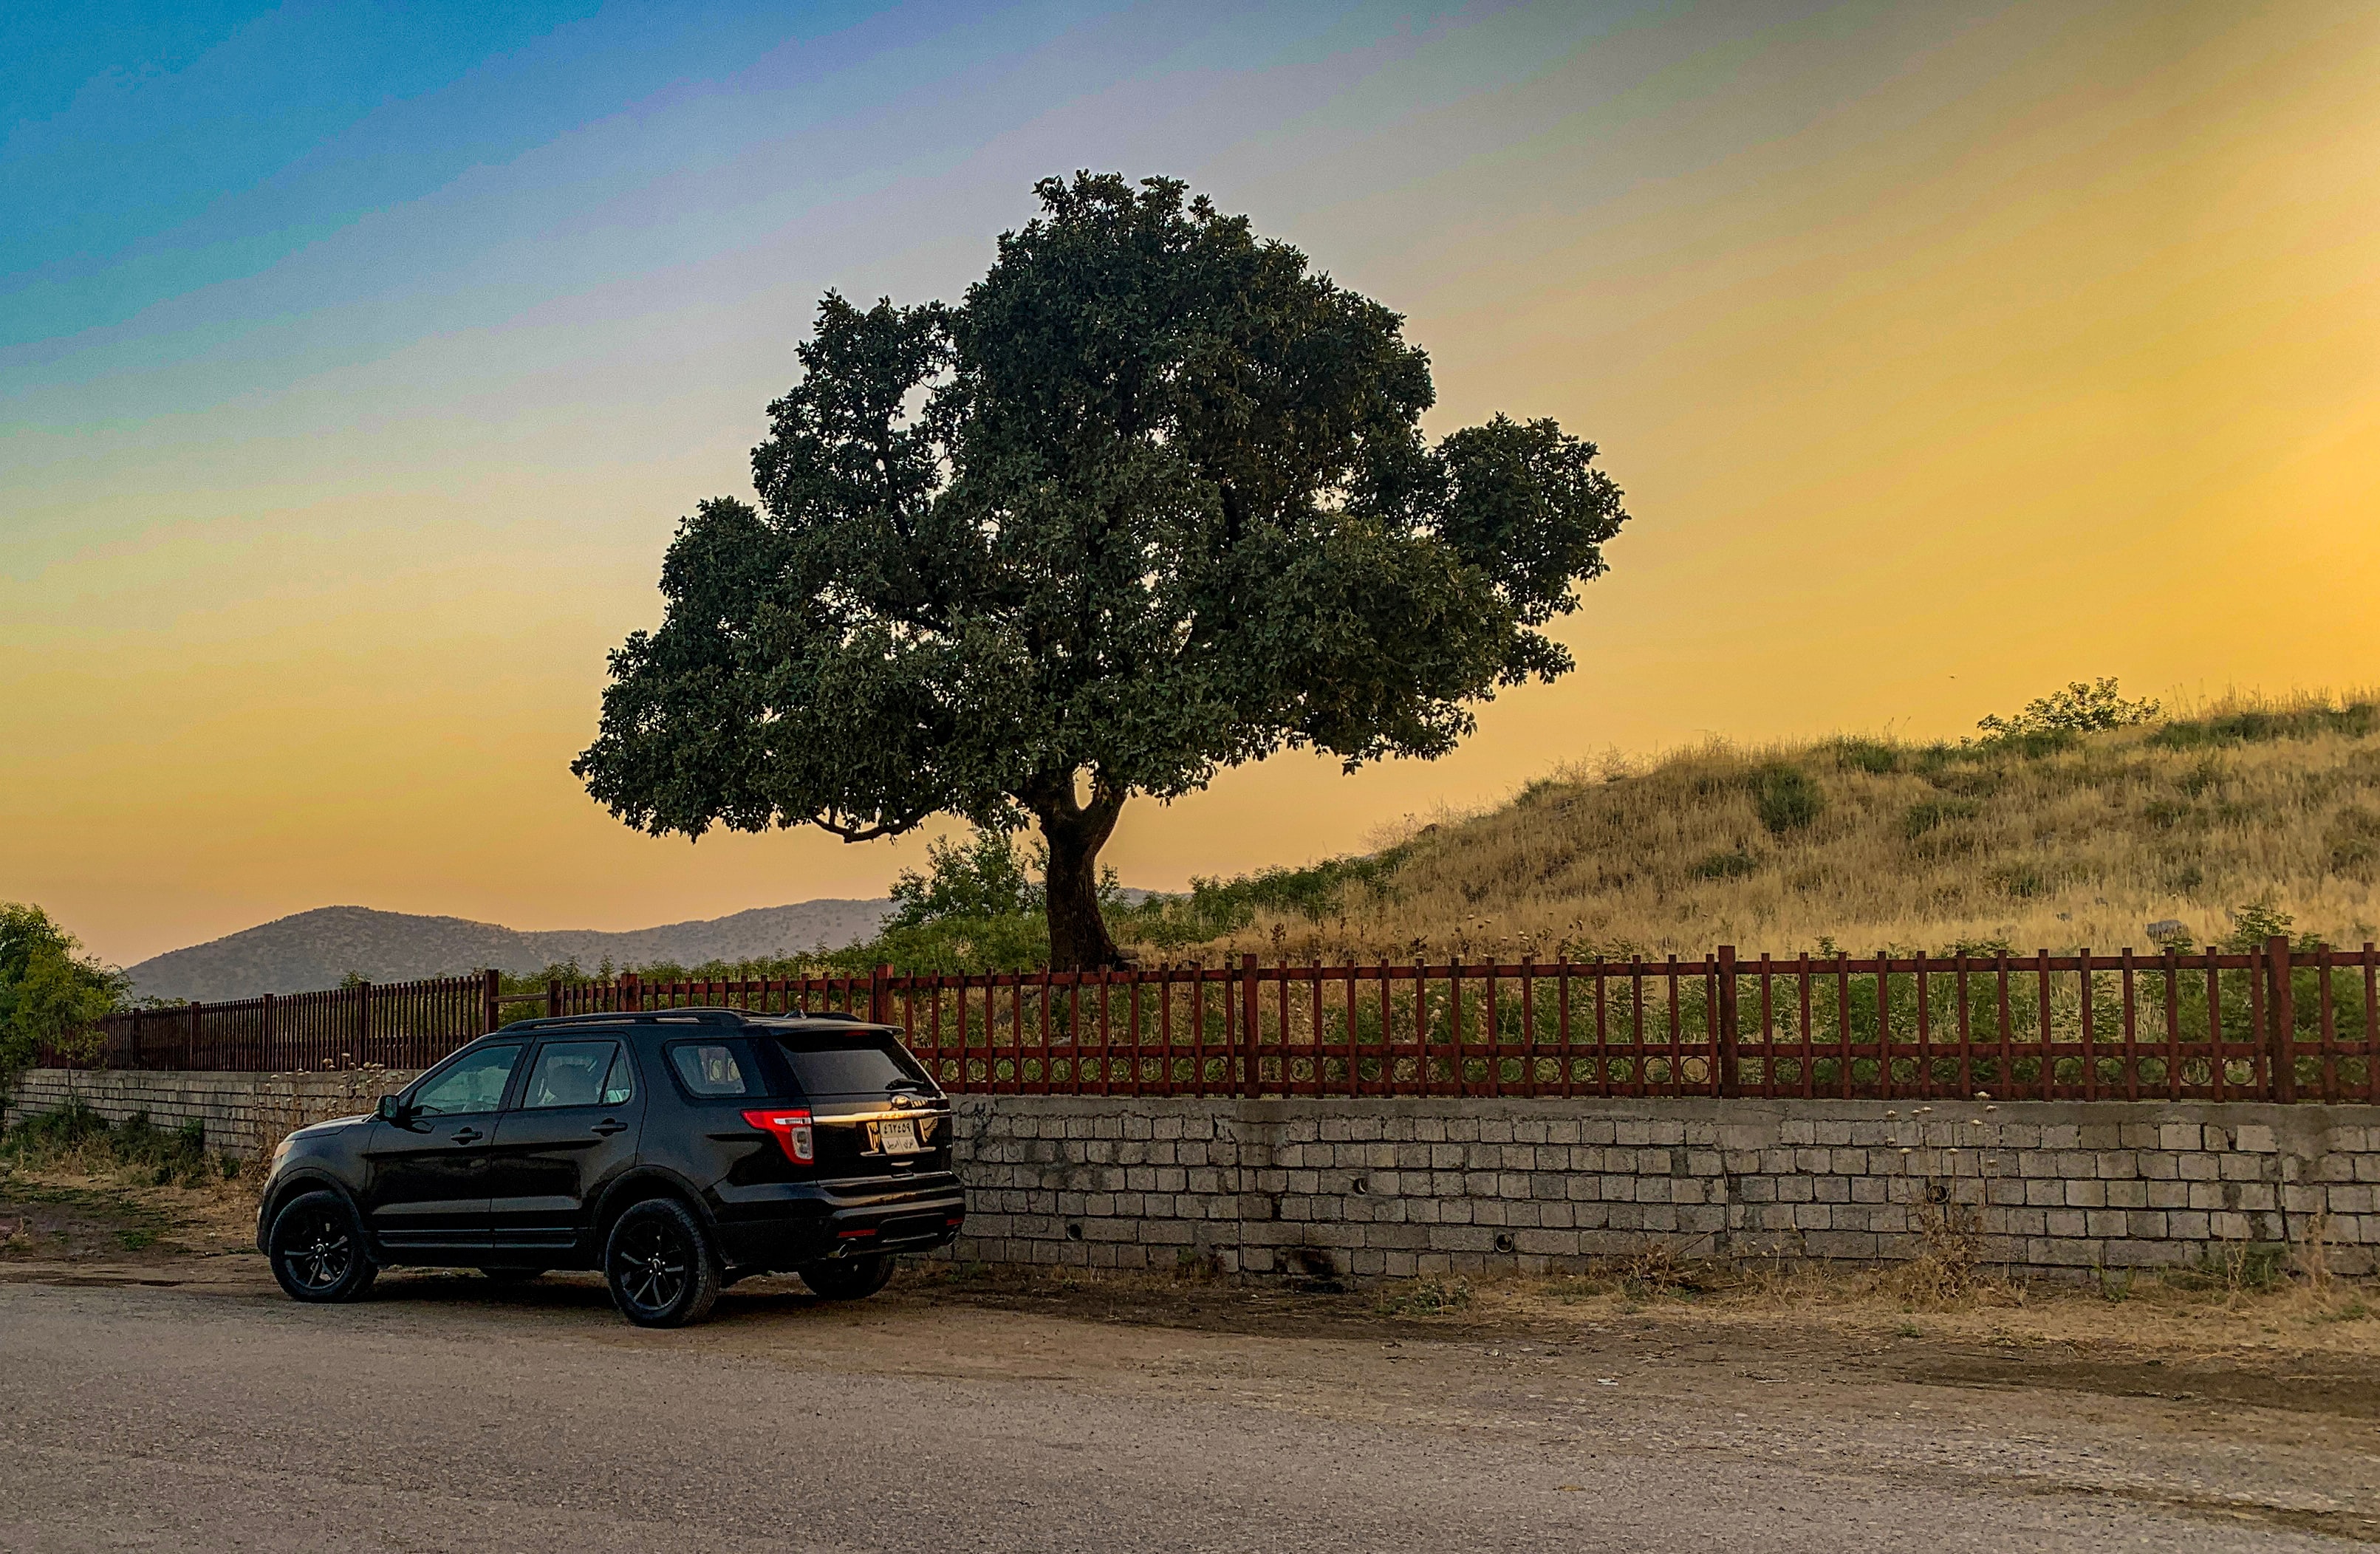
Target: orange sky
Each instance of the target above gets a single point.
(1945, 356)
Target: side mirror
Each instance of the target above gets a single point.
(391, 1109)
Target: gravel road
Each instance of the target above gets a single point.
(211, 1414)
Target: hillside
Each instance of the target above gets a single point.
(2056, 841)
(316, 948)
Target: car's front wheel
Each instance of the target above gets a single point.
(317, 1248)
(849, 1279)
(659, 1265)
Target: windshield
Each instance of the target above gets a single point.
(835, 1064)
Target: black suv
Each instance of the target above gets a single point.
(677, 1151)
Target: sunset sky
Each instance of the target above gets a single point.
(357, 363)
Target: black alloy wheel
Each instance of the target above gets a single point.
(659, 1265)
(849, 1279)
(318, 1250)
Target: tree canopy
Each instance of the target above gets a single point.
(1151, 501)
(52, 995)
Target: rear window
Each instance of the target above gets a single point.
(714, 1068)
(849, 1066)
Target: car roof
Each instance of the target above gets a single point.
(678, 1019)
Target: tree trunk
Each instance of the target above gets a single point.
(1075, 832)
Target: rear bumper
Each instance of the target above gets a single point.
(783, 1225)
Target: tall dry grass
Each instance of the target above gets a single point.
(2056, 844)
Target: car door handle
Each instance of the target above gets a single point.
(608, 1127)
(467, 1135)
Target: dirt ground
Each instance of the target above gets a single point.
(2187, 1414)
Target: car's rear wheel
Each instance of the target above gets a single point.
(849, 1279)
(659, 1265)
(513, 1275)
(316, 1249)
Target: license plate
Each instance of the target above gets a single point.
(898, 1136)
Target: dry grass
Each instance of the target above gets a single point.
(2182, 1312)
(1911, 847)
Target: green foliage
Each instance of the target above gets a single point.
(77, 1137)
(982, 877)
(2083, 707)
(2024, 879)
(1217, 908)
(2357, 719)
(1873, 756)
(1934, 813)
(1733, 863)
(2355, 842)
(1431, 1296)
(1153, 500)
(51, 994)
(1787, 797)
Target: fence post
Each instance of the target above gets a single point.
(265, 1034)
(2283, 1035)
(879, 995)
(491, 999)
(1248, 1026)
(631, 995)
(552, 997)
(1723, 1052)
(363, 1024)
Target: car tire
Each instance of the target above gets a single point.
(316, 1247)
(660, 1265)
(513, 1275)
(849, 1279)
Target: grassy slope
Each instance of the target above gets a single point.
(2057, 844)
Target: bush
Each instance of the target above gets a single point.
(1733, 863)
(1217, 908)
(1787, 797)
(2256, 725)
(1934, 813)
(2355, 843)
(2083, 707)
(74, 1137)
(1872, 756)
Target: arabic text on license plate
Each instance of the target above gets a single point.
(898, 1136)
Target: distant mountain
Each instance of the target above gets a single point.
(316, 948)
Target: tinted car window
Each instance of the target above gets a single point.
(712, 1068)
(851, 1067)
(578, 1074)
(474, 1082)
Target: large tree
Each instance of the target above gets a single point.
(1152, 501)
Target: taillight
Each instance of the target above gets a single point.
(793, 1131)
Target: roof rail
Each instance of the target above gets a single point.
(633, 1017)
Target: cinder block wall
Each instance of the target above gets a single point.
(244, 1113)
(1392, 1188)
(1376, 1189)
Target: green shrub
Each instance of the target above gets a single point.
(1873, 756)
(2356, 721)
(2083, 707)
(2023, 881)
(77, 1137)
(1934, 813)
(1733, 863)
(2355, 843)
(1787, 797)
(1216, 908)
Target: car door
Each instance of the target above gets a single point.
(572, 1128)
(428, 1189)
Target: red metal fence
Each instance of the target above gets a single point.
(2279, 1024)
